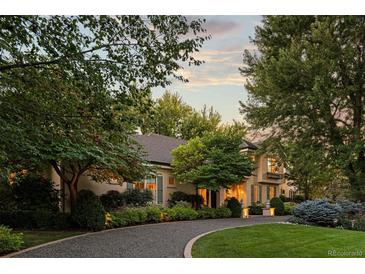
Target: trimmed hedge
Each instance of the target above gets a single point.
(178, 213)
(9, 241)
(212, 213)
(112, 200)
(255, 209)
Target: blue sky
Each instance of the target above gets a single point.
(218, 82)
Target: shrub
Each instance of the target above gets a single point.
(196, 200)
(278, 204)
(9, 241)
(153, 214)
(207, 213)
(255, 209)
(298, 199)
(89, 212)
(285, 199)
(235, 206)
(289, 207)
(350, 208)
(180, 213)
(178, 196)
(33, 192)
(30, 219)
(222, 212)
(7, 200)
(319, 212)
(137, 197)
(359, 223)
(183, 204)
(112, 200)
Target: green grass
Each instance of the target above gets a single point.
(280, 241)
(37, 237)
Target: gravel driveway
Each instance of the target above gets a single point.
(165, 240)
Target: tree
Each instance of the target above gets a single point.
(307, 85)
(70, 85)
(171, 116)
(199, 123)
(211, 161)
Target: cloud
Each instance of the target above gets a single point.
(217, 27)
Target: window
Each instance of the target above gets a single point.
(270, 192)
(291, 194)
(139, 185)
(272, 165)
(151, 183)
(283, 192)
(172, 181)
(129, 185)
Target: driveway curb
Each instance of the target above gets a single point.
(189, 245)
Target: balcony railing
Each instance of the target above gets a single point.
(271, 175)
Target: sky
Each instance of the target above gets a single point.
(218, 82)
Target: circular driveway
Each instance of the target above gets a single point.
(166, 240)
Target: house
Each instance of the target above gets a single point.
(267, 180)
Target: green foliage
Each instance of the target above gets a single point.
(72, 85)
(7, 199)
(278, 204)
(235, 206)
(153, 214)
(137, 197)
(213, 213)
(89, 212)
(34, 192)
(255, 209)
(177, 196)
(318, 212)
(180, 214)
(212, 161)
(303, 84)
(9, 241)
(298, 198)
(112, 200)
(171, 116)
(289, 207)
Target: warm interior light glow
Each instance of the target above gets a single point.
(245, 213)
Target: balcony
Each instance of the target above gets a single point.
(275, 176)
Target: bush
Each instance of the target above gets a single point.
(196, 200)
(7, 200)
(207, 213)
(183, 204)
(180, 213)
(278, 204)
(33, 192)
(350, 208)
(235, 206)
(9, 241)
(319, 212)
(255, 209)
(178, 196)
(137, 197)
(298, 199)
(285, 199)
(222, 212)
(289, 207)
(34, 219)
(112, 200)
(89, 212)
(153, 214)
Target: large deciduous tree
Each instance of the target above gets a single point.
(70, 87)
(307, 85)
(171, 116)
(212, 161)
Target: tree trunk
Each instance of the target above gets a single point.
(196, 205)
(72, 186)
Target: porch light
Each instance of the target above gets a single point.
(245, 213)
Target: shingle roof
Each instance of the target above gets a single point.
(158, 147)
(247, 144)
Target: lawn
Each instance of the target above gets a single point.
(281, 241)
(37, 237)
